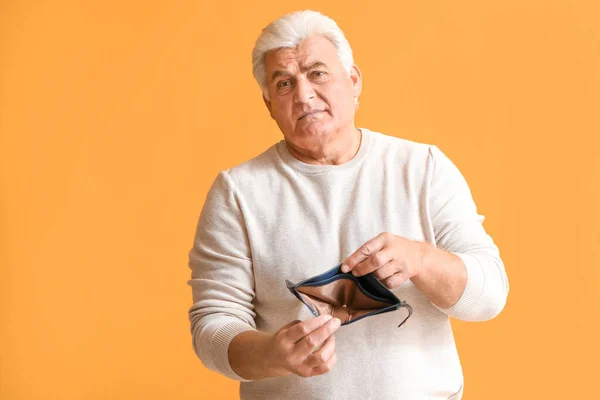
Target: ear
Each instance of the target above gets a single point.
(268, 104)
(356, 78)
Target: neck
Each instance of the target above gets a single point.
(335, 152)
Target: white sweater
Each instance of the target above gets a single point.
(274, 218)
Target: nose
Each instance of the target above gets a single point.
(303, 91)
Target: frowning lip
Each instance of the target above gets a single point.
(309, 113)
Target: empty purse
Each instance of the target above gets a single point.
(345, 296)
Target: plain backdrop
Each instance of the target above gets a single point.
(116, 116)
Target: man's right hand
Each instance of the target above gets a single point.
(293, 349)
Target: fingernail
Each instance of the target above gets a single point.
(344, 268)
(337, 321)
(327, 317)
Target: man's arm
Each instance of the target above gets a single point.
(222, 279)
(459, 235)
(248, 356)
(223, 328)
(462, 274)
(443, 286)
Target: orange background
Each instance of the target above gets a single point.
(116, 116)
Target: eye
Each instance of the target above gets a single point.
(319, 74)
(283, 84)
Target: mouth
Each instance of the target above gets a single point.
(309, 113)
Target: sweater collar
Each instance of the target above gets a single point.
(313, 169)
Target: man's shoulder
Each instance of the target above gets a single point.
(390, 145)
(262, 166)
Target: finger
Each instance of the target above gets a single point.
(290, 324)
(300, 330)
(395, 280)
(310, 342)
(323, 354)
(373, 263)
(387, 270)
(328, 366)
(364, 252)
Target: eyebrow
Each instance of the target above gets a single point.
(280, 72)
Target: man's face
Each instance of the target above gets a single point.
(312, 98)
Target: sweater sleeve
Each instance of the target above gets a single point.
(222, 278)
(458, 229)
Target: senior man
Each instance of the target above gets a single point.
(331, 193)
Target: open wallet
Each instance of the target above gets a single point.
(345, 296)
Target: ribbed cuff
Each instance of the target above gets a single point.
(219, 347)
(473, 290)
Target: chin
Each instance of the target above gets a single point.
(314, 130)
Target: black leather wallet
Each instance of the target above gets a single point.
(345, 296)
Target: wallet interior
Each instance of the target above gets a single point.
(341, 299)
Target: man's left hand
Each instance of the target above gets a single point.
(392, 259)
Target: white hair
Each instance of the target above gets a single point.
(292, 29)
